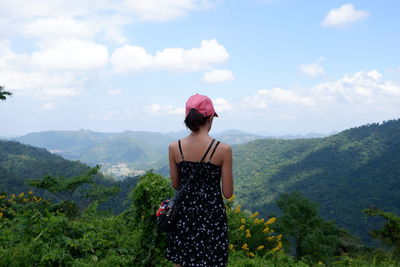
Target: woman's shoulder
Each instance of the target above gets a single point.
(173, 145)
(224, 147)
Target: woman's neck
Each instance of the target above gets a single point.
(200, 132)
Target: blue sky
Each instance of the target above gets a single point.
(270, 66)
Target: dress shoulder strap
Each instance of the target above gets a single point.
(215, 147)
(180, 149)
(208, 149)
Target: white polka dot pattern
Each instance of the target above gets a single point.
(201, 234)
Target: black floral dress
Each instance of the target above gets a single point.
(201, 234)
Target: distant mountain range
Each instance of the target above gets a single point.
(121, 154)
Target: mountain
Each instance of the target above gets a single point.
(234, 137)
(123, 154)
(346, 173)
(120, 154)
(134, 151)
(19, 162)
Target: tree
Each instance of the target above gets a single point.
(314, 239)
(4, 93)
(390, 233)
(63, 189)
(146, 198)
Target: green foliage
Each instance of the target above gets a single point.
(390, 233)
(63, 188)
(278, 260)
(4, 93)
(146, 198)
(33, 232)
(249, 234)
(314, 239)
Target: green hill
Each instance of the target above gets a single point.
(19, 162)
(346, 173)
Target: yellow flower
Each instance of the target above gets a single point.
(21, 195)
(30, 192)
(237, 209)
(245, 247)
(231, 247)
(261, 221)
(242, 220)
(260, 247)
(255, 214)
(232, 198)
(278, 247)
(25, 200)
(1, 214)
(272, 220)
(13, 196)
(248, 235)
(241, 227)
(270, 238)
(250, 254)
(247, 230)
(279, 237)
(256, 220)
(1, 196)
(320, 263)
(266, 229)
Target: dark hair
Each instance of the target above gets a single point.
(194, 120)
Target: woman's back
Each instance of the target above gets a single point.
(192, 149)
(201, 234)
(200, 237)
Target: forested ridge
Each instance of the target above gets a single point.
(346, 173)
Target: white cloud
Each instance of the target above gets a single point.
(71, 54)
(276, 97)
(41, 85)
(59, 27)
(222, 105)
(26, 9)
(50, 93)
(49, 106)
(313, 70)
(162, 10)
(115, 92)
(214, 76)
(365, 90)
(157, 109)
(359, 87)
(9, 59)
(41, 18)
(344, 15)
(134, 58)
(111, 27)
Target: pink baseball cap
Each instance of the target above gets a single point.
(202, 104)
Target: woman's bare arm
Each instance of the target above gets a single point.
(226, 172)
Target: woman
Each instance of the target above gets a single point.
(201, 234)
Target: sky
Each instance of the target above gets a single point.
(270, 66)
